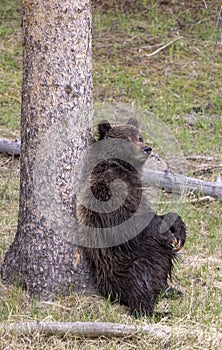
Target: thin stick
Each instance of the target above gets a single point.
(200, 158)
(205, 4)
(163, 47)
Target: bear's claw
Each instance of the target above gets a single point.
(176, 245)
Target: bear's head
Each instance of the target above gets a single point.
(133, 143)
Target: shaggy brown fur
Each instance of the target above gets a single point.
(134, 272)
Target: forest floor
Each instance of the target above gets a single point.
(164, 58)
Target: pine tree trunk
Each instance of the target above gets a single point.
(56, 93)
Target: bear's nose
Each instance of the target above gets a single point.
(147, 149)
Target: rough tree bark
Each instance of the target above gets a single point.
(57, 84)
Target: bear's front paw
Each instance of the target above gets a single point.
(176, 244)
(175, 230)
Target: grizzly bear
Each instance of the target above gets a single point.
(130, 249)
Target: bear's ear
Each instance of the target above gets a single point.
(134, 122)
(103, 127)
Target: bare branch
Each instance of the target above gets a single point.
(86, 329)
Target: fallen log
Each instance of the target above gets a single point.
(10, 147)
(86, 329)
(166, 180)
(177, 183)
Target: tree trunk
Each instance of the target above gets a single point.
(56, 108)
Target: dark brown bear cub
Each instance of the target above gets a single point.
(132, 255)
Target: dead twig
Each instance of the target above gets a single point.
(199, 158)
(205, 4)
(206, 169)
(163, 47)
(6, 162)
(206, 199)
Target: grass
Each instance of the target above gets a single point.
(182, 86)
(10, 66)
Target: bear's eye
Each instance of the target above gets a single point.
(140, 139)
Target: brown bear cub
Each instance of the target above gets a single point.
(133, 260)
